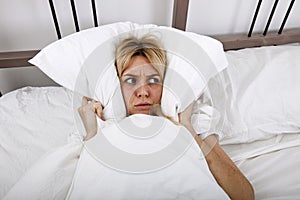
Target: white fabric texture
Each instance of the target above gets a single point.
(32, 121)
(51, 130)
(180, 180)
(187, 177)
(50, 177)
(274, 175)
(265, 93)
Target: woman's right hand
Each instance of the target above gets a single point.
(88, 111)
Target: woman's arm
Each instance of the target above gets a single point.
(88, 111)
(226, 173)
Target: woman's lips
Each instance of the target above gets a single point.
(143, 106)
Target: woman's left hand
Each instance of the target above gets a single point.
(185, 118)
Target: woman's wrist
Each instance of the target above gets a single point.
(190, 128)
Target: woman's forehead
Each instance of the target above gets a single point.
(140, 65)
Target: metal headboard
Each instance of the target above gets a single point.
(180, 13)
(20, 58)
(74, 13)
(251, 39)
(270, 17)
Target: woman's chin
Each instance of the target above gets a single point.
(145, 112)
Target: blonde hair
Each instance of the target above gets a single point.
(148, 46)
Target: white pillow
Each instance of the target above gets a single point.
(265, 93)
(193, 59)
(63, 59)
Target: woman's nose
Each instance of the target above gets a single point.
(143, 91)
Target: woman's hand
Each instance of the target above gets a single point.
(88, 111)
(185, 118)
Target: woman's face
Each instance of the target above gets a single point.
(141, 86)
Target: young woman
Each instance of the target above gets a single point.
(141, 66)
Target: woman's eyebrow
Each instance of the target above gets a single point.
(151, 75)
(134, 75)
(130, 75)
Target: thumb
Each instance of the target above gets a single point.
(185, 115)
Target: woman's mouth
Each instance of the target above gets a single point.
(143, 106)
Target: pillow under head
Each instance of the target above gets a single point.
(84, 63)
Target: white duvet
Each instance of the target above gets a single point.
(188, 177)
(70, 171)
(32, 121)
(46, 168)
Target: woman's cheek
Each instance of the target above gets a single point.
(157, 92)
(128, 94)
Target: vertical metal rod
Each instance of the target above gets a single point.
(270, 17)
(94, 13)
(254, 18)
(286, 16)
(180, 13)
(74, 15)
(55, 19)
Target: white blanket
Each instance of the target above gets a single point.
(50, 177)
(52, 174)
(32, 121)
(187, 176)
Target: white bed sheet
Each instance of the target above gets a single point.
(274, 175)
(33, 120)
(270, 165)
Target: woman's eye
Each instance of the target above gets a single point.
(130, 80)
(153, 80)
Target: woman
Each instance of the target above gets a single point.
(141, 65)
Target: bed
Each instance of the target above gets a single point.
(261, 117)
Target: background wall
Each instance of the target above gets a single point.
(235, 16)
(27, 24)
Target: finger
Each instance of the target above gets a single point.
(89, 99)
(190, 107)
(179, 117)
(84, 100)
(186, 113)
(98, 108)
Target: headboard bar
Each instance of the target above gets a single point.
(74, 15)
(16, 59)
(230, 42)
(270, 17)
(180, 13)
(94, 13)
(286, 16)
(55, 19)
(239, 41)
(254, 18)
